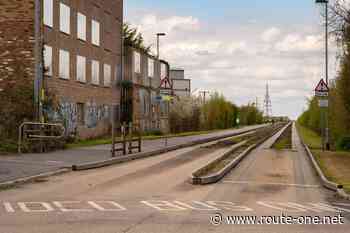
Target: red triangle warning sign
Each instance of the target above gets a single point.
(322, 87)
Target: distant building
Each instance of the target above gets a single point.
(177, 73)
(181, 86)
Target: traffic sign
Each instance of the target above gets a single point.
(321, 89)
(323, 103)
(164, 98)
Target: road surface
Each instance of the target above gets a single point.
(153, 196)
(15, 167)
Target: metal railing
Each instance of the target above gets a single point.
(130, 135)
(40, 132)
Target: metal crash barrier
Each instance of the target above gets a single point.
(33, 131)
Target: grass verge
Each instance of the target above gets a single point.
(7, 147)
(310, 138)
(334, 164)
(285, 140)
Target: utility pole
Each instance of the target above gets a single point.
(267, 103)
(158, 43)
(327, 73)
(38, 83)
(204, 93)
(326, 142)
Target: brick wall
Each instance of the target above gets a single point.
(16, 65)
(16, 39)
(96, 99)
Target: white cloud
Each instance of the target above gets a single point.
(152, 22)
(239, 62)
(270, 34)
(299, 43)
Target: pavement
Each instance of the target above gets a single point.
(153, 195)
(26, 165)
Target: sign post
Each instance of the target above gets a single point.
(322, 92)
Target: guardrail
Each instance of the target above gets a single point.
(39, 131)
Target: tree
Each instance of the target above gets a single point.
(134, 38)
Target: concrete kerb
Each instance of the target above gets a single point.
(219, 175)
(122, 159)
(325, 182)
(9, 184)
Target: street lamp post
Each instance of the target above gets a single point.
(325, 2)
(159, 35)
(160, 71)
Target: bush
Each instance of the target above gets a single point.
(344, 143)
(153, 133)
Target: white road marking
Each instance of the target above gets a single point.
(98, 205)
(227, 205)
(25, 207)
(310, 207)
(63, 208)
(280, 206)
(8, 207)
(207, 207)
(280, 184)
(163, 205)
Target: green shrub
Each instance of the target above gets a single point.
(153, 133)
(344, 143)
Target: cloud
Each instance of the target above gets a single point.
(239, 62)
(270, 34)
(153, 22)
(299, 43)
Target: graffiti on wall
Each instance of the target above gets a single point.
(96, 113)
(67, 113)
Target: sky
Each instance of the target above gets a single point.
(237, 47)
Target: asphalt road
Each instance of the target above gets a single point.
(19, 166)
(153, 196)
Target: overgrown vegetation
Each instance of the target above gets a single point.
(334, 164)
(285, 140)
(190, 114)
(16, 101)
(339, 111)
(134, 39)
(247, 140)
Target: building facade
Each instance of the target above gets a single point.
(81, 56)
(145, 73)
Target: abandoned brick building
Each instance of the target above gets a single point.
(81, 55)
